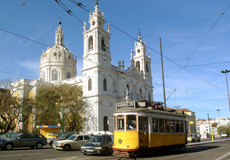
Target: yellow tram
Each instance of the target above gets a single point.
(141, 127)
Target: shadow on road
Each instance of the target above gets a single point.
(161, 153)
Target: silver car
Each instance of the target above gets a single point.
(75, 141)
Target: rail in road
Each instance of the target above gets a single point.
(205, 142)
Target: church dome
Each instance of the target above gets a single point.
(57, 63)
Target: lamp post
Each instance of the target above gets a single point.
(219, 118)
(227, 71)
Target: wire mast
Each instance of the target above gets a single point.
(162, 68)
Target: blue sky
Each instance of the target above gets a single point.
(189, 29)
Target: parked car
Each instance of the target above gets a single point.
(8, 135)
(75, 141)
(61, 136)
(98, 144)
(223, 134)
(24, 140)
(193, 138)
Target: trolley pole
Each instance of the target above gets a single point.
(162, 67)
(227, 71)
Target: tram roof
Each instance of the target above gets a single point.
(141, 107)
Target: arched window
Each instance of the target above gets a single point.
(106, 123)
(138, 65)
(68, 75)
(140, 94)
(54, 75)
(103, 47)
(90, 43)
(104, 85)
(147, 67)
(90, 84)
(127, 86)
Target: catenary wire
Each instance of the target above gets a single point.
(24, 37)
(159, 52)
(7, 18)
(205, 36)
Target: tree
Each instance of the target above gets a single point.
(74, 106)
(225, 128)
(28, 106)
(9, 110)
(54, 101)
(46, 110)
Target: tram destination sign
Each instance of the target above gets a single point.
(126, 104)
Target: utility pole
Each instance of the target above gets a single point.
(162, 67)
(219, 118)
(227, 71)
(209, 125)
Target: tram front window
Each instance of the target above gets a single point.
(120, 122)
(131, 122)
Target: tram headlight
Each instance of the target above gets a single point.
(120, 141)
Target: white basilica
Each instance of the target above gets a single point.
(103, 84)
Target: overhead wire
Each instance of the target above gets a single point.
(205, 37)
(76, 56)
(198, 65)
(72, 14)
(159, 52)
(18, 35)
(7, 18)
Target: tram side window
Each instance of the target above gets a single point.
(181, 124)
(161, 124)
(114, 122)
(172, 128)
(120, 122)
(155, 125)
(177, 126)
(131, 122)
(167, 126)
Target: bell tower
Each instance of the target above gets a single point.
(96, 41)
(141, 60)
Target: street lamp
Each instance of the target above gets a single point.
(219, 118)
(227, 71)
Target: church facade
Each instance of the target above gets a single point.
(103, 84)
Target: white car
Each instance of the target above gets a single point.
(223, 134)
(75, 141)
(193, 138)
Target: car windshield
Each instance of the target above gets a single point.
(15, 135)
(71, 137)
(97, 139)
(62, 136)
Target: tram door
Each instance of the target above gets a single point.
(143, 131)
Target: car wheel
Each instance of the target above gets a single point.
(39, 145)
(67, 147)
(9, 146)
(106, 152)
